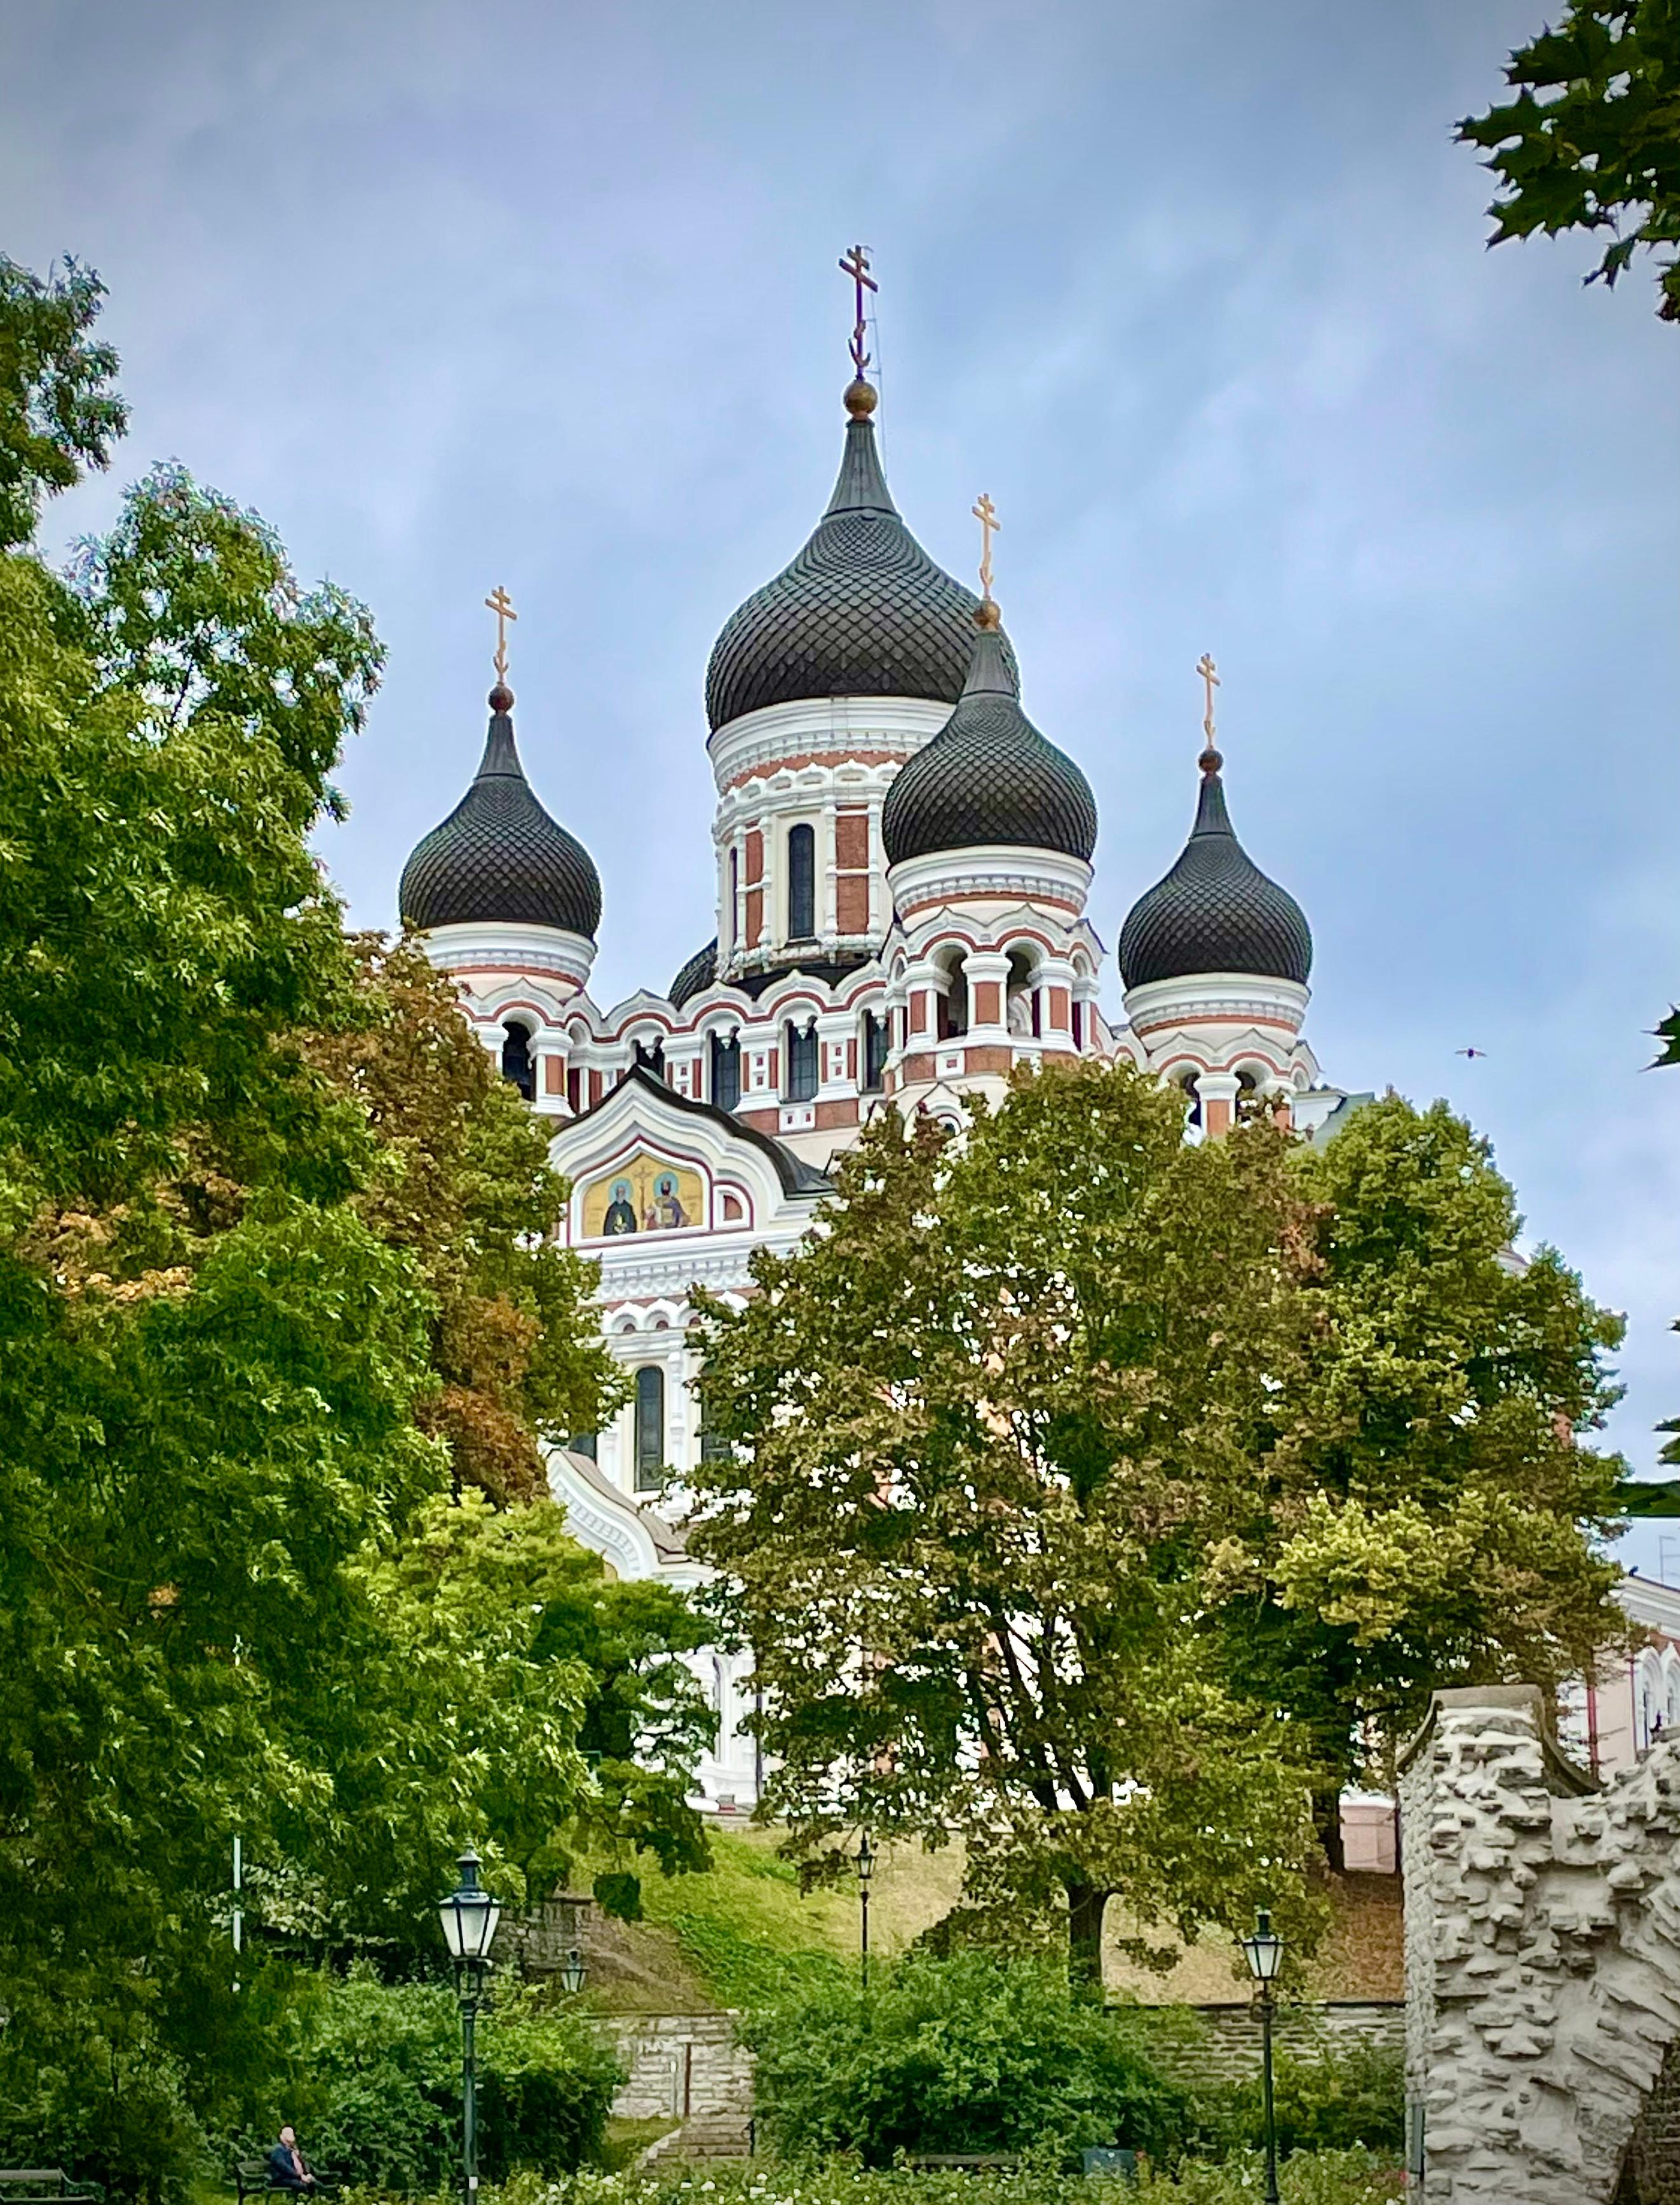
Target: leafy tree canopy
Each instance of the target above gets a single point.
(1591, 139)
(1097, 1496)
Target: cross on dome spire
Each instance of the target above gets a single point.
(1210, 761)
(986, 514)
(502, 605)
(860, 396)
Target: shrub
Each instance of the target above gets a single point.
(1337, 2098)
(111, 2109)
(387, 2065)
(971, 2053)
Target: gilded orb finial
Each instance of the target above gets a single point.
(1210, 761)
(861, 399)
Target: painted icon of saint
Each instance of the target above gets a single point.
(669, 1202)
(621, 1210)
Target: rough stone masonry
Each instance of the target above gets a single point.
(1542, 1960)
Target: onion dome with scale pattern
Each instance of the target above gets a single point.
(696, 976)
(499, 859)
(989, 777)
(862, 612)
(1215, 912)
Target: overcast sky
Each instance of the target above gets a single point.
(546, 296)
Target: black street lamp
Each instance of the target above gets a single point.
(572, 1973)
(864, 1865)
(1264, 1951)
(469, 1915)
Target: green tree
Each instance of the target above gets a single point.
(985, 1424)
(1439, 1518)
(1591, 140)
(239, 1273)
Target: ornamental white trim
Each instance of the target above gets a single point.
(1011, 873)
(757, 739)
(1187, 1001)
(495, 948)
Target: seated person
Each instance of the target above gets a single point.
(288, 2167)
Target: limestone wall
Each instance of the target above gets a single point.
(1543, 1957)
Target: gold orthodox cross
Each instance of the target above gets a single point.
(1210, 680)
(856, 265)
(986, 514)
(502, 605)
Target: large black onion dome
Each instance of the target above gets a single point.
(698, 973)
(989, 776)
(499, 858)
(1215, 912)
(862, 612)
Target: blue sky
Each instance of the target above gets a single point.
(546, 296)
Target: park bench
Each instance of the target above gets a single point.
(34, 2182)
(251, 2179)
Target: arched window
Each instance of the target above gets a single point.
(726, 1070)
(874, 1053)
(801, 884)
(650, 1426)
(518, 1066)
(801, 1053)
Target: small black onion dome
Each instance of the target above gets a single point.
(989, 776)
(1215, 912)
(698, 974)
(862, 612)
(499, 858)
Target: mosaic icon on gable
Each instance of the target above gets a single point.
(646, 1195)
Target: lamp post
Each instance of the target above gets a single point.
(1263, 1951)
(572, 1973)
(469, 1915)
(864, 1865)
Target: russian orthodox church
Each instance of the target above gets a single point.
(903, 870)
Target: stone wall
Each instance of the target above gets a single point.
(1232, 2048)
(1542, 1960)
(682, 2065)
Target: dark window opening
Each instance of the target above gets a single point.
(1037, 1016)
(574, 1087)
(874, 1053)
(1078, 1024)
(726, 1070)
(650, 1427)
(518, 1067)
(652, 1058)
(801, 1064)
(713, 1447)
(729, 919)
(587, 1443)
(951, 1010)
(801, 884)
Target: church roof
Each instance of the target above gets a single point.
(862, 611)
(796, 1175)
(698, 973)
(1215, 912)
(989, 777)
(499, 858)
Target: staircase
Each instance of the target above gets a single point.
(689, 2068)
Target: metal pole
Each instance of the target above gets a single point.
(1265, 2009)
(469, 2097)
(863, 1934)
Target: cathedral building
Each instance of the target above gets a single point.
(903, 881)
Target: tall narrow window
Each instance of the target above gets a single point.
(1078, 1024)
(801, 1053)
(650, 1426)
(874, 1053)
(730, 921)
(801, 884)
(518, 1067)
(726, 1070)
